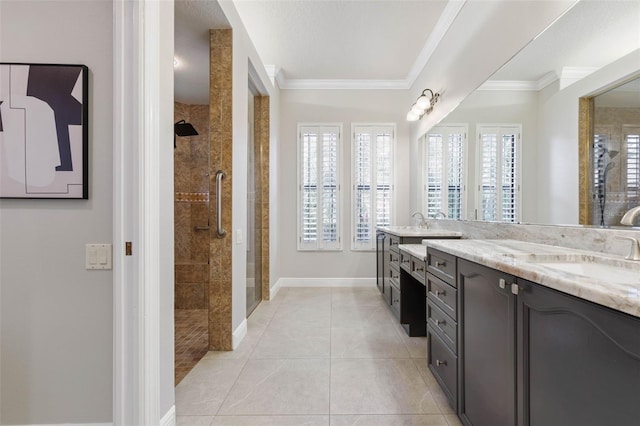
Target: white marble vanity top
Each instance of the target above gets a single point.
(607, 280)
(417, 250)
(416, 231)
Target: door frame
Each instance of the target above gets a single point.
(140, 87)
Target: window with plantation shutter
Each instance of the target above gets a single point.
(319, 187)
(499, 173)
(444, 149)
(372, 179)
(631, 136)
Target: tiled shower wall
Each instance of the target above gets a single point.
(191, 180)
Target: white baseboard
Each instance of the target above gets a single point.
(169, 419)
(69, 424)
(275, 289)
(326, 282)
(239, 333)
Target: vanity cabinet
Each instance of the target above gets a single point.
(578, 363)
(412, 288)
(529, 355)
(442, 321)
(388, 267)
(488, 349)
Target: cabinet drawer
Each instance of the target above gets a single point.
(405, 261)
(394, 242)
(442, 265)
(444, 366)
(395, 300)
(443, 295)
(394, 257)
(418, 269)
(394, 272)
(443, 325)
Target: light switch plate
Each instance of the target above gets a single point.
(98, 256)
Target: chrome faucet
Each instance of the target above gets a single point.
(440, 215)
(423, 222)
(629, 217)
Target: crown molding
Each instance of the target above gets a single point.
(447, 17)
(302, 84)
(522, 85)
(571, 75)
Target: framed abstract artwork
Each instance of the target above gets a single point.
(44, 131)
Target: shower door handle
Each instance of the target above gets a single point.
(219, 176)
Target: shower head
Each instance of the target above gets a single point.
(182, 128)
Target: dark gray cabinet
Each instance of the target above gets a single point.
(578, 362)
(487, 346)
(442, 322)
(528, 355)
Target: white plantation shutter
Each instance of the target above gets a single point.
(319, 187)
(444, 171)
(499, 169)
(372, 174)
(632, 142)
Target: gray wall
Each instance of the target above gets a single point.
(346, 107)
(56, 317)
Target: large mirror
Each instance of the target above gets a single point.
(528, 112)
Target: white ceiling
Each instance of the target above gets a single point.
(590, 35)
(386, 43)
(340, 40)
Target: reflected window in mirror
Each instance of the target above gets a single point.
(499, 173)
(444, 173)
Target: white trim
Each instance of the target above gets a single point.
(137, 138)
(445, 21)
(571, 75)
(524, 85)
(66, 424)
(239, 334)
(275, 288)
(126, 396)
(312, 84)
(327, 282)
(169, 419)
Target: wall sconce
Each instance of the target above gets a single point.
(182, 128)
(423, 105)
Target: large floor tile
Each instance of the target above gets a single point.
(244, 349)
(453, 420)
(293, 342)
(271, 421)
(389, 420)
(277, 387)
(356, 296)
(423, 368)
(442, 401)
(379, 342)
(193, 420)
(379, 386)
(307, 294)
(302, 316)
(204, 389)
(360, 316)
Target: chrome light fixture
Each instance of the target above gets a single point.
(423, 105)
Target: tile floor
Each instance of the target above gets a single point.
(317, 356)
(191, 339)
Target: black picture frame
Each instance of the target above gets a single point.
(44, 131)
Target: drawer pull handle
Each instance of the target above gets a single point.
(439, 264)
(502, 283)
(405, 261)
(439, 363)
(419, 269)
(440, 293)
(440, 322)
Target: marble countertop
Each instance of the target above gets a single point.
(604, 279)
(416, 231)
(417, 250)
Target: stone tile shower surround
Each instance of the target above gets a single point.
(191, 203)
(597, 239)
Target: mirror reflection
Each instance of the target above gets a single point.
(510, 151)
